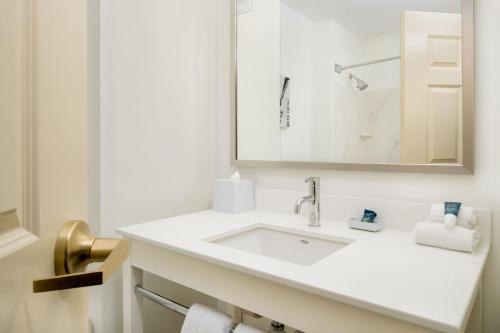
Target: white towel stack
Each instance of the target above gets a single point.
(202, 319)
(441, 231)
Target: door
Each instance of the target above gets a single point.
(431, 110)
(58, 105)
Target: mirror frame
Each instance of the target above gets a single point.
(468, 114)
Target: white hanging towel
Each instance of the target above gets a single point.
(202, 319)
(242, 328)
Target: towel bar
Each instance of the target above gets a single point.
(176, 307)
(180, 309)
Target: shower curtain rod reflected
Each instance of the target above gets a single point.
(340, 68)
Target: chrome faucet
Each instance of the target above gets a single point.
(313, 199)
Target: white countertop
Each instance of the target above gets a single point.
(384, 272)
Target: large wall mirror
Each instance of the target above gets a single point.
(354, 84)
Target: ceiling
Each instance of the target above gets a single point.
(369, 18)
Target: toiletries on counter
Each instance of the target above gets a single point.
(368, 222)
(451, 211)
(450, 226)
(233, 195)
(466, 215)
(369, 216)
(452, 208)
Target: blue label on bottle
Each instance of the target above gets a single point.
(452, 208)
(369, 216)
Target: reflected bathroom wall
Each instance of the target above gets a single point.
(330, 118)
(367, 125)
(347, 94)
(305, 59)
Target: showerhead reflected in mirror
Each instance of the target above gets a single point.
(360, 84)
(367, 82)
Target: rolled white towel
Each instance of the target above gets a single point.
(466, 215)
(450, 221)
(242, 328)
(438, 235)
(202, 319)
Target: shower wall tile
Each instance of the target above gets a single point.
(381, 119)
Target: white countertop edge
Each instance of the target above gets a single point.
(447, 327)
(484, 246)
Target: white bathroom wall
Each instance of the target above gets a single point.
(296, 62)
(481, 189)
(157, 124)
(144, 145)
(347, 101)
(381, 110)
(307, 54)
(309, 50)
(259, 57)
(273, 35)
(347, 124)
(381, 125)
(322, 95)
(327, 113)
(385, 75)
(366, 128)
(347, 46)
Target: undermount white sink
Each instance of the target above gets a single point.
(290, 245)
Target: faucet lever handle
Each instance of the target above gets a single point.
(314, 181)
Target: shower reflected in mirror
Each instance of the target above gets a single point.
(315, 85)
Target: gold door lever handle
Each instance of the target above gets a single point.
(75, 249)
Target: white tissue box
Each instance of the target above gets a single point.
(233, 196)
